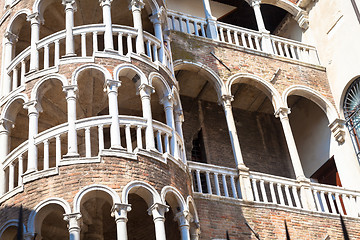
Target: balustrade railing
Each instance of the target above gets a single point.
(242, 37)
(214, 180)
(269, 189)
(93, 136)
(186, 23)
(88, 39)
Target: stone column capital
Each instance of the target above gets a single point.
(146, 90)
(167, 101)
(6, 125)
(282, 113)
(120, 210)
(72, 216)
(11, 37)
(35, 18)
(105, 2)
(303, 19)
(112, 85)
(226, 100)
(71, 91)
(255, 3)
(136, 5)
(33, 107)
(69, 4)
(158, 210)
(337, 128)
(159, 16)
(183, 218)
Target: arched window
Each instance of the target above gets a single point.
(352, 113)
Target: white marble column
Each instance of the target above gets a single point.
(156, 19)
(5, 127)
(74, 225)
(119, 211)
(145, 92)
(211, 30)
(244, 175)
(71, 92)
(158, 211)
(226, 103)
(283, 113)
(259, 19)
(136, 6)
(112, 91)
(35, 21)
(168, 103)
(266, 41)
(183, 218)
(108, 35)
(33, 108)
(179, 119)
(70, 8)
(9, 41)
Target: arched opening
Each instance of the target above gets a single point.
(10, 233)
(194, 223)
(312, 135)
(171, 222)
(50, 223)
(260, 133)
(159, 99)
(53, 113)
(21, 28)
(17, 125)
(92, 101)
(140, 224)
(205, 128)
(97, 222)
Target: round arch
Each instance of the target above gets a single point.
(37, 87)
(343, 94)
(259, 83)
(58, 201)
(314, 96)
(176, 95)
(144, 190)
(5, 113)
(11, 26)
(159, 82)
(130, 71)
(179, 198)
(100, 68)
(96, 187)
(204, 70)
(10, 223)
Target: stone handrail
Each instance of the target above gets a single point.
(246, 38)
(90, 131)
(51, 47)
(275, 190)
(186, 23)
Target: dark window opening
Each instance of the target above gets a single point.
(327, 174)
(198, 149)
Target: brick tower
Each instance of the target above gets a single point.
(154, 119)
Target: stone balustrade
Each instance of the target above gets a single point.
(87, 45)
(245, 38)
(93, 141)
(273, 190)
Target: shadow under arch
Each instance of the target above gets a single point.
(259, 83)
(35, 92)
(204, 71)
(76, 73)
(9, 230)
(314, 96)
(43, 210)
(310, 116)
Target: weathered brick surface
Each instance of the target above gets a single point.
(197, 50)
(218, 215)
(112, 172)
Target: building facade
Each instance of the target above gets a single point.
(154, 119)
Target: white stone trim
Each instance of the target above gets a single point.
(95, 187)
(98, 67)
(180, 199)
(35, 93)
(151, 192)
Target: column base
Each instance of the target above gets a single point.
(111, 51)
(71, 155)
(69, 55)
(118, 147)
(29, 171)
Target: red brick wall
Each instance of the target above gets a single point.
(218, 215)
